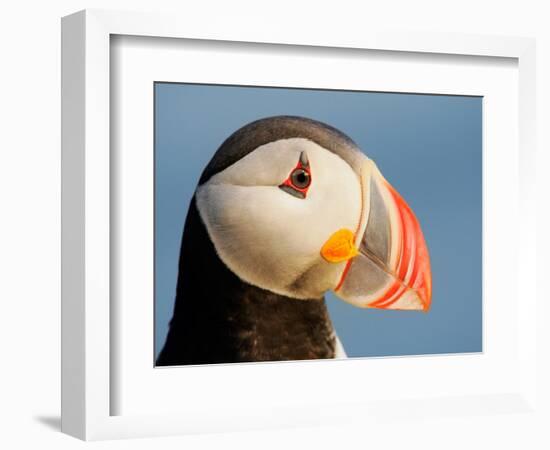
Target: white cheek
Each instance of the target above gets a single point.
(269, 238)
(250, 235)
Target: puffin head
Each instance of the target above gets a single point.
(294, 207)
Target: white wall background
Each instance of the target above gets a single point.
(30, 210)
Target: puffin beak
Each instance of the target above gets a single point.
(387, 265)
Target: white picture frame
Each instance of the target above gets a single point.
(87, 328)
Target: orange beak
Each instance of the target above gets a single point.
(391, 267)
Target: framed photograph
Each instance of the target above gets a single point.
(266, 228)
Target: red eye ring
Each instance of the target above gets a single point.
(299, 180)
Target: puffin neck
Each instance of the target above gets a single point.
(218, 318)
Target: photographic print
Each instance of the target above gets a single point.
(305, 224)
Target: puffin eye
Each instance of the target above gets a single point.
(299, 180)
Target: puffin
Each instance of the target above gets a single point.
(287, 209)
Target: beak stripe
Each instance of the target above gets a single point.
(389, 295)
(344, 273)
(397, 289)
(407, 269)
(348, 263)
(392, 270)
